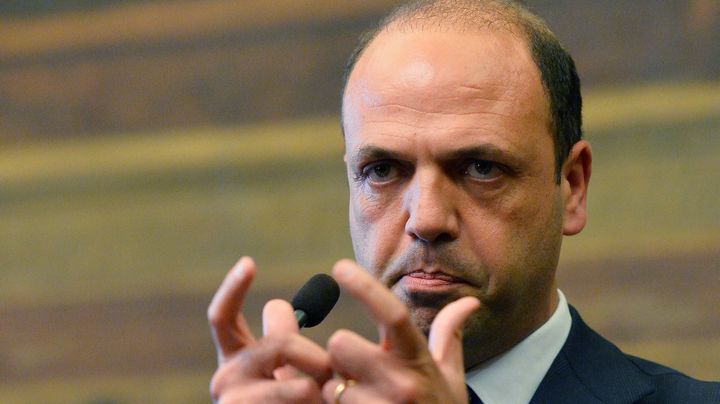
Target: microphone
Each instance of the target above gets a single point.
(315, 299)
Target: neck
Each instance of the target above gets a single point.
(480, 346)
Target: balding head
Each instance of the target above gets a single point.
(557, 69)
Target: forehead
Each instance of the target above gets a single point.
(433, 80)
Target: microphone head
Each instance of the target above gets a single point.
(316, 298)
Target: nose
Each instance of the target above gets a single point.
(431, 207)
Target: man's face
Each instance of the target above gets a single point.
(451, 169)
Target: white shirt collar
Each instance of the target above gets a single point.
(512, 377)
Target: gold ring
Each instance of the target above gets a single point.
(340, 389)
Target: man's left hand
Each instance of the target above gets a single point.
(403, 366)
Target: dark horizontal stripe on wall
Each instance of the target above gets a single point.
(36, 8)
(294, 31)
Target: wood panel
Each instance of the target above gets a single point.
(170, 64)
(111, 248)
(155, 21)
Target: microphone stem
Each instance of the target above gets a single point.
(301, 318)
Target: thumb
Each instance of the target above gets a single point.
(445, 340)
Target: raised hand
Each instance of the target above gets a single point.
(282, 366)
(404, 366)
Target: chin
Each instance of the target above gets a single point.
(424, 307)
(423, 318)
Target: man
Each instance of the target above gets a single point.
(466, 167)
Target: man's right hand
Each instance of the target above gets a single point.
(282, 366)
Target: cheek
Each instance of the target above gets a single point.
(359, 230)
(376, 227)
(518, 240)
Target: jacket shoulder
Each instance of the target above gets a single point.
(615, 377)
(672, 386)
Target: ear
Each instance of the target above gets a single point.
(574, 182)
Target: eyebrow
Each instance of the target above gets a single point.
(480, 151)
(373, 153)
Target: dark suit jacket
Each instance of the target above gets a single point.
(589, 369)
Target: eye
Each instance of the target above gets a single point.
(383, 171)
(483, 170)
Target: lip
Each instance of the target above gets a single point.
(429, 281)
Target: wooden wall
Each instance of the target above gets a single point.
(145, 146)
(151, 65)
(111, 248)
(117, 66)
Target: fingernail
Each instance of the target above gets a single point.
(239, 270)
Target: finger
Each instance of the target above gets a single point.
(290, 391)
(445, 342)
(279, 319)
(353, 393)
(258, 361)
(397, 332)
(261, 359)
(227, 324)
(352, 356)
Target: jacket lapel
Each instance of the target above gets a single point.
(589, 369)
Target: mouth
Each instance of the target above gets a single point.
(420, 280)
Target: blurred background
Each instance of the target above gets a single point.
(146, 145)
